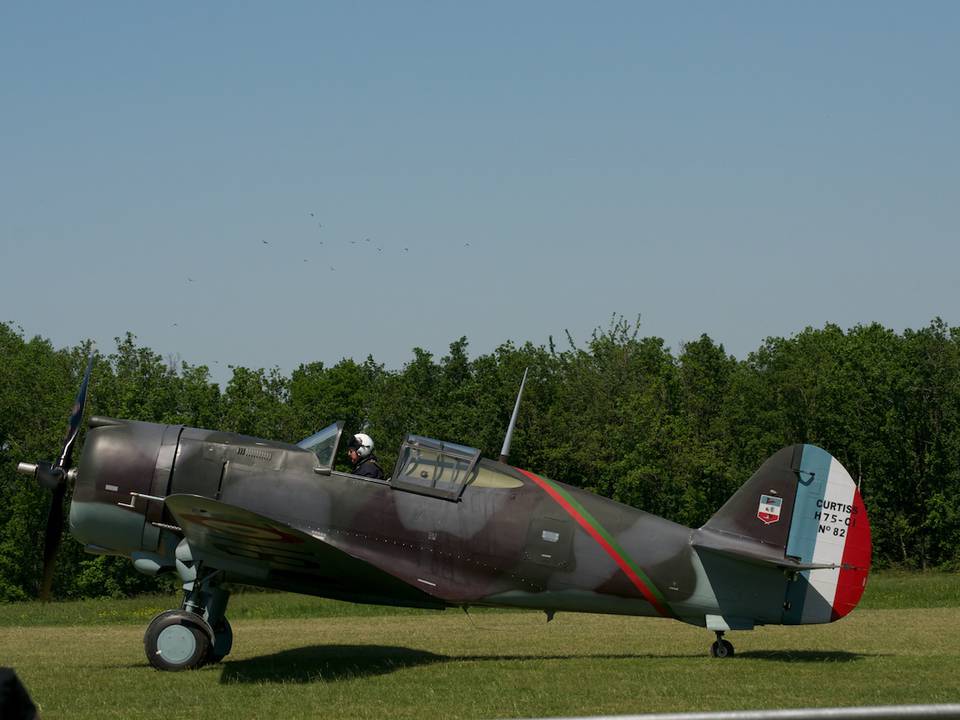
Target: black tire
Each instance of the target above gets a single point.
(177, 640)
(721, 649)
(222, 643)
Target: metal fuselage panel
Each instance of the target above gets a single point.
(488, 548)
(518, 543)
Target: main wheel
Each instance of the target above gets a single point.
(222, 643)
(177, 640)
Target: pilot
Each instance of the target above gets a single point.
(360, 452)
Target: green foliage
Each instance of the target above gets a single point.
(620, 415)
(256, 403)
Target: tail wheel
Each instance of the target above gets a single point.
(177, 640)
(721, 649)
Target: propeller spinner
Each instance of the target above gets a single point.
(54, 477)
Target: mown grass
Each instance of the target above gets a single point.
(300, 657)
(139, 610)
(885, 590)
(899, 589)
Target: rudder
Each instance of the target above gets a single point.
(829, 526)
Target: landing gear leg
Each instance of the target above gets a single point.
(208, 599)
(721, 648)
(198, 633)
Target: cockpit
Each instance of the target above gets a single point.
(424, 466)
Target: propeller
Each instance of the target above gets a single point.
(54, 477)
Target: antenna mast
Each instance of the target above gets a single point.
(513, 421)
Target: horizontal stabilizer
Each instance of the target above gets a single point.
(739, 549)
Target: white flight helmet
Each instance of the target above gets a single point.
(362, 443)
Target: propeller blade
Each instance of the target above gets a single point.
(76, 417)
(51, 540)
(54, 478)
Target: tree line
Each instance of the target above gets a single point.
(619, 414)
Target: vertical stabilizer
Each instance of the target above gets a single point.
(800, 509)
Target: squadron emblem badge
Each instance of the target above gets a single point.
(769, 510)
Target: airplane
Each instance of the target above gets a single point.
(449, 528)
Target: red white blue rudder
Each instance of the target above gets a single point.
(829, 526)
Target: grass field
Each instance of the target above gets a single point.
(302, 657)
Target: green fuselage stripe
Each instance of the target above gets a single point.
(589, 523)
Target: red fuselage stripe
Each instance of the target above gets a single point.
(602, 541)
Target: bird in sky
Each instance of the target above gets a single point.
(264, 242)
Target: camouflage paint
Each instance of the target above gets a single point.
(606, 541)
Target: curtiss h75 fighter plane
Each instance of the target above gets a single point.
(449, 528)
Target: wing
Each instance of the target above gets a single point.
(258, 550)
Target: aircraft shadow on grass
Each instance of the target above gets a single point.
(329, 663)
(326, 663)
(333, 663)
(801, 656)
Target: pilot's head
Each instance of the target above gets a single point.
(360, 446)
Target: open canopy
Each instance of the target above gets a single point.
(424, 465)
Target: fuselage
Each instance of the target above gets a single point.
(511, 538)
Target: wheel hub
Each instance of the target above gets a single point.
(176, 644)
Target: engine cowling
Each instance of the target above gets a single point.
(122, 477)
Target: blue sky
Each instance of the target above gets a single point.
(271, 184)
